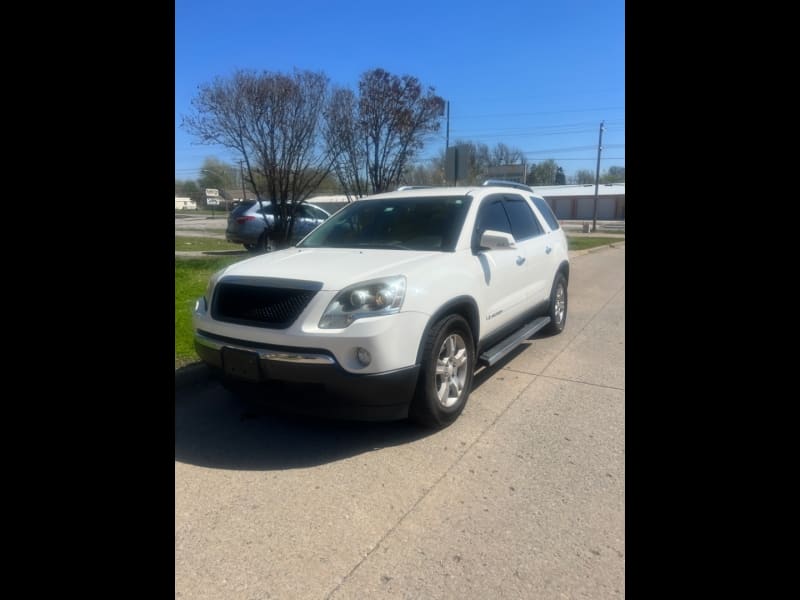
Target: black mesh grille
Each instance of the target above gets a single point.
(276, 308)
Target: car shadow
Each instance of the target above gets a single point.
(217, 429)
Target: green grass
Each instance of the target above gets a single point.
(204, 243)
(582, 243)
(191, 278)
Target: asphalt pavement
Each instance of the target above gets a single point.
(522, 497)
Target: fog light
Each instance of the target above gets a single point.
(363, 355)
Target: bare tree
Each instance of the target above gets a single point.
(427, 172)
(346, 143)
(271, 120)
(584, 176)
(506, 155)
(376, 140)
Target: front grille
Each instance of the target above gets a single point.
(273, 307)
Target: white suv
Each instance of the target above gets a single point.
(392, 302)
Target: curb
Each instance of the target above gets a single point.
(576, 253)
(191, 374)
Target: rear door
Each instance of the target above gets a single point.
(532, 240)
(555, 243)
(504, 270)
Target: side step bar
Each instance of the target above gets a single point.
(498, 351)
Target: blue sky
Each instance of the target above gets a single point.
(538, 76)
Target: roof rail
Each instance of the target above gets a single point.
(403, 188)
(514, 184)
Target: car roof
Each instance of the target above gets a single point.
(268, 203)
(434, 191)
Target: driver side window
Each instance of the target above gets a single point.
(493, 216)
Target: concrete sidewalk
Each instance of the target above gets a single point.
(522, 497)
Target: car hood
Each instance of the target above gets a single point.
(335, 268)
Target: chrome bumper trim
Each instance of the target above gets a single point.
(305, 358)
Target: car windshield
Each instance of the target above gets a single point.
(397, 223)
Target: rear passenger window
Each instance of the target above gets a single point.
(524, 224)
(547, 212)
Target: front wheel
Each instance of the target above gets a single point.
(558, 305)
(445, 380)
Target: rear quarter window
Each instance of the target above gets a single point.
(546, 212)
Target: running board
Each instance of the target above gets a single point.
(498, 351)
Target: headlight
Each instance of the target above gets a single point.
(373, 298)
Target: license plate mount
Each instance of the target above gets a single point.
(241, 364)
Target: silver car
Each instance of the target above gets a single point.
(246, 224)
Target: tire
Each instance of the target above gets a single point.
(445, 379)
(262, 245)
(557, 311)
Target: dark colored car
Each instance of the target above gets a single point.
(246, 224)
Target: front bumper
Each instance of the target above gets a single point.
(307, 380)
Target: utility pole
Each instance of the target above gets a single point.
(447, 135)
(597, 177)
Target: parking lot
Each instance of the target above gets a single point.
(522, 497)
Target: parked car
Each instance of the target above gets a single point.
(391, 303)
(246, 224)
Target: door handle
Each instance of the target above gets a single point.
(548, 249)
(520, 260)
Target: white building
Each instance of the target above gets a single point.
(185, 204)
(575, 202)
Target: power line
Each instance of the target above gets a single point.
(573, 148)
(563, 125)
(553, 126)
(543, 112)
(526, 133)
(539, 159)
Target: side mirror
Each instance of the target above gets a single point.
(497, 240)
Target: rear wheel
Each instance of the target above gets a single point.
(445, 380)
(558, 305)
(262, 245)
